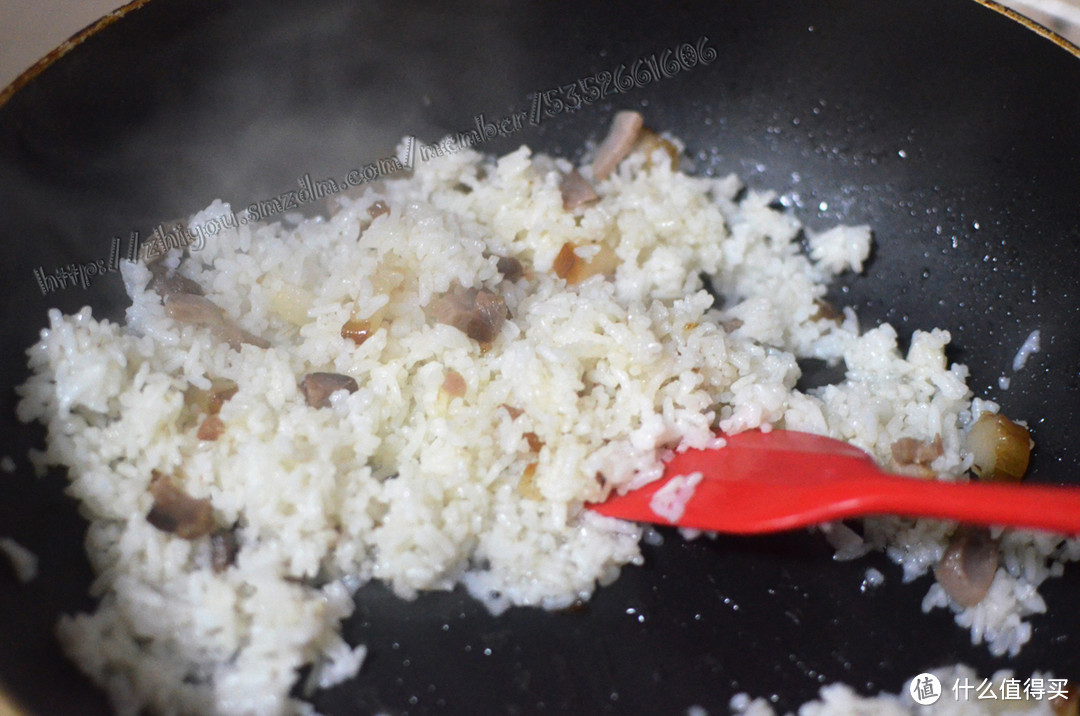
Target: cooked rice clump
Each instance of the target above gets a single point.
(455, 460)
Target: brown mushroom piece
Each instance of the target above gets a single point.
(176, 512)
(478, 313)
(193, 310)
(618, 143)
(968, 566)
(510, 268)
(318, 387)
(202, 312)
(825, 311)
(166, 284)
(576, 191)
(910, 451)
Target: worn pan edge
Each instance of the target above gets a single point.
(1017, 17)
(62, 49)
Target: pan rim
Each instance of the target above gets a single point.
(6, 93)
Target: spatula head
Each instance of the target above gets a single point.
(758, 482)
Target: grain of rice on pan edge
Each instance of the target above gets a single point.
(425, 386)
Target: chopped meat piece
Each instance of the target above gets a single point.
(576, 191)
(318, 387)
(454, 384)
(575, 269)
(909, 451)
(478, 313)
(177, 512)
(378, 209)
(534, 441)
(514, 412)
(967, 568)
(620, 140)
(356, 331)
(210, 401)
(211, 429)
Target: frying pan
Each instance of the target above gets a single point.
(947, 126)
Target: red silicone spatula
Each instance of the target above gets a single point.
(775, 481)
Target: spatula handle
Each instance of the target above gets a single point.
(1045, 507)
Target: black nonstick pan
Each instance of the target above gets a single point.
(949, 127)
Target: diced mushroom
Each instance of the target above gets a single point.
(378, 209)
(234, 335)
(224, 546)
(478, 313)
(617, 144)
(1001, 448)
(166, 284)
(510, 268)
(514, 412)
(454, 384)
(318, 387)
(732, 324)
(177, 512)
(575, 269)
(212, 428)
(202, 312)
(193, 310)
(967, 568)
(909, 451)
(825, 311)
(576, 191)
